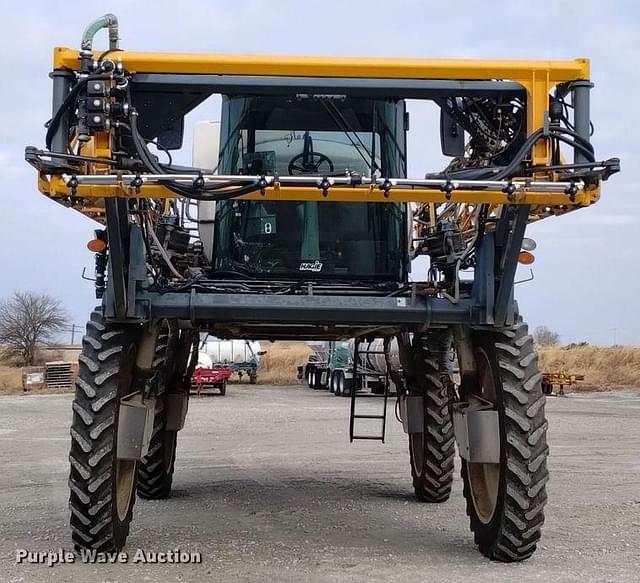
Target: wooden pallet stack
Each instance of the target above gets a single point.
(57, 375)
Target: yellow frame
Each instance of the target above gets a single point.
(536, 77)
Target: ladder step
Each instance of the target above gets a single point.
(371, 437)
(372, 395)
(368, 416)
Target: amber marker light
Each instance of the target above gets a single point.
(526, 258)
(96, 245)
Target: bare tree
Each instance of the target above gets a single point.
(544, 336)
(27, 320)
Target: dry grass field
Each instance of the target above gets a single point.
(604, 368)
(279, 366)
(10, 379)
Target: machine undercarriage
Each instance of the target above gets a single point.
(297, 220)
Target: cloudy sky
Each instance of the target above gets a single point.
(587, 285)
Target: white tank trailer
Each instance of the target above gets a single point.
(372, 355)
(241, 356)
(330, 366)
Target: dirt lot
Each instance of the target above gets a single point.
(267, 488)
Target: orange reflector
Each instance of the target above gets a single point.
(96, 245)
(526, 258)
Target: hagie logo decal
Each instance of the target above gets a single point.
(311, 266)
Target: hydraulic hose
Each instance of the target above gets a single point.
(237, 188)
(70, 100)
(500, 173)
(109, 21)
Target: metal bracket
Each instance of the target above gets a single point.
(509, 235)
(411, 411)
(477, 431)
(135, 425)
(176, 405)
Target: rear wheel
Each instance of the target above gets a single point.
(155, 475)
(432, 452)
(316, 382)
(338, 383)
(346, 385)
(505, 501)
(102, 486)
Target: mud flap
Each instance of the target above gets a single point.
(135, 426)
(176, 405)
(477, 431)
(411, 410)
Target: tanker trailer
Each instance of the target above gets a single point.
(371, 370)
(240, 356)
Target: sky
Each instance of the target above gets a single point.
(587, 281)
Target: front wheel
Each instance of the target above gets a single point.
(505, 500)
(102, 487)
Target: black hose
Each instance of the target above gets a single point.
(500, 173)
(54, 122)
(201, 194)
(587, 152)
(238, 188)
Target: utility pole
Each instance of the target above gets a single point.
(73, 333)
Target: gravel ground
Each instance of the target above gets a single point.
(268, 488)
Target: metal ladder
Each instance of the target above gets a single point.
(357, 374)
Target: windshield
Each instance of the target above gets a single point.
(311, 240)
(307, 135)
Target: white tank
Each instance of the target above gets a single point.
(376, 357)
(205, 151)
(204, 361)
(372, 354)
(232, 351)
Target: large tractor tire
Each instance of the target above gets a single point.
(432, 452)
(505, 501)
(155, 474)
(102, 486)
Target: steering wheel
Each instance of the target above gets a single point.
(309, 163)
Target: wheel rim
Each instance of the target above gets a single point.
(341, 383)
(125, 470)
(484, 478)
(417, 452)
(125, 478)
(169, 450)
